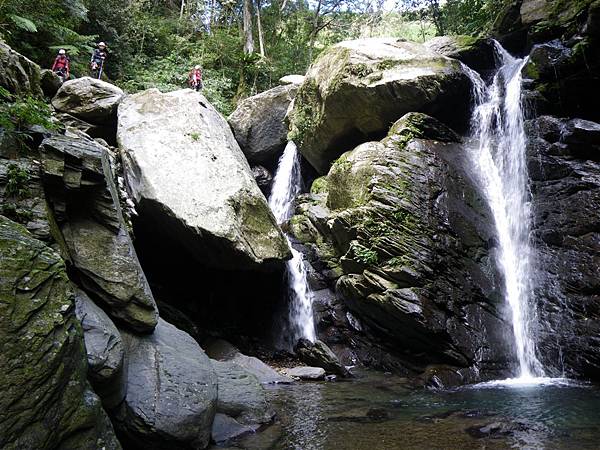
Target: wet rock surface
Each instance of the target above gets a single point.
(320, 355)
(411, 238)
(564, 164)
(46, 401)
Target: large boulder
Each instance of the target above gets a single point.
(171, 391)
(477, 53)
(105, 352)
(46, 402)
(189, 178)
(258, 124)
(18, 74)
(357, 89)
(89, 223)
(89, 99)
(402, 228)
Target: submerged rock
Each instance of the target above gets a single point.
(241, 396)
(258, 124)
(46, 402)
(223, 351)
(105, 352)
(187, 175)
(81, 191)
(89, 99)
(171, 391)
(318, 354)
(356, 89)
(226, 428)
(306, 373)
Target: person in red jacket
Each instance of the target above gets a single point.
(195, 78)
(62, 65)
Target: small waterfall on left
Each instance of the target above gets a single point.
(287, 185)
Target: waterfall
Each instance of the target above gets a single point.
(286, 186)
(499, 159)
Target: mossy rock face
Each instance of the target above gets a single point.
(46, 401)
(355, 90)
(477, 53)
(410, 232)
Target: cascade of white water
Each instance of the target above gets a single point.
(286, 186)
(499, 159)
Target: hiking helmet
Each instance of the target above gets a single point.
(101, 44)
(62, 51)
(197, 66)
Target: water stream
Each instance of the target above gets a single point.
(499, 159)
(287, 184)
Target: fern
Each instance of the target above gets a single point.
(23, 23)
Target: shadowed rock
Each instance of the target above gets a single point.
(80, 189)
(46, 401)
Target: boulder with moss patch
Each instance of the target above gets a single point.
(357, 89)
(411, 235)
(477, 53)
(188, 176)
(46, 401)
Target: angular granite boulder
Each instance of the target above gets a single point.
(188, 176)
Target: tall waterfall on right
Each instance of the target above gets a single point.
(499, 158)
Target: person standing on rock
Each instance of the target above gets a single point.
(195, 78)
(97, 61)
(62, 65)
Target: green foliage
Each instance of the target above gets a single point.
(23, 23)
(17, 181)
(363, 254)
(18, 113)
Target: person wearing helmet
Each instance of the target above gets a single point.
(195, 78)
(62, 65)
(98, 58)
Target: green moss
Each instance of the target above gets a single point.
(305, 116)
(320, 186)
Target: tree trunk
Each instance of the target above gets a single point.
(261, 39)
(181, 10)
(248, 39)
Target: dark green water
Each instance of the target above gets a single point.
(379, 412)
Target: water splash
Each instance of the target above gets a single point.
(286, 186)
(500, 163)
